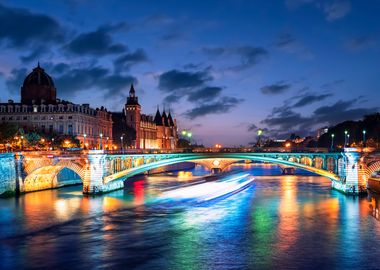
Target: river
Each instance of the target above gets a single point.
(283, 222)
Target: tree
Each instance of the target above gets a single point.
(183, 143)
(33, 138)
(7, 132)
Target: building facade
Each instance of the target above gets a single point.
(41, 110)
(159, 132)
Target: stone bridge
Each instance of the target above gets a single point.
(100, 172)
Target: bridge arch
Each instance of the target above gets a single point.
(372, 168)
(123, 175)
(46, 176)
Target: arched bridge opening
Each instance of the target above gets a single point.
(223, 159)
(48, 177)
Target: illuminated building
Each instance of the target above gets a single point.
(41, 110)
(159, 132)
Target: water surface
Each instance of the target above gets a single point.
(284, 222)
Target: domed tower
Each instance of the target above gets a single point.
(133, 114)
(38, 88)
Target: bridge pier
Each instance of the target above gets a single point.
(94, 177)
(353, 180)
(8, 175)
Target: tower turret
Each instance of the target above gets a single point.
(133, 114)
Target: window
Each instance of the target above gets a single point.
(70, 129)
(70, 117)
(61, 129)
(25, 118)
(50, 128)
(61, 117)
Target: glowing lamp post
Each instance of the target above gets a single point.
(332, 141)
(107, 142)
(121, 143)
(101, 141)
(364, 143)
(348, 139)
(259, 133)
(84, 140)
(22, 142)
(189, 135)
(52, 144)
(345, 138)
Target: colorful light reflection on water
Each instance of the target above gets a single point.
(280, 222)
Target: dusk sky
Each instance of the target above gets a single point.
(224, 68)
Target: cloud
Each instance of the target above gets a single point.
(74, 80)
(288, 43)
(361, 43)
(97, 43)
(175, 80)
(172, 36)
(332, 84)
(125, 61)
(22, 28)
(70, 80)
(285, 120)
(252, 127)
(204, 94)
(36, 53)
(336, 10)
(274, 89)
(194, 85)
(172, 98)
(310, 99)
(223, 105)
(15, 80)
(332, 9)
(248, 56)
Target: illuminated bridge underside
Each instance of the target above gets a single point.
(224, 161)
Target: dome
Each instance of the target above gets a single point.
(38, 77)
(38, 88)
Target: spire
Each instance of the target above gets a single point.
(132, 91)
(170, 119)
(132, 99)
(158, 118)
(38, 64)
(165, 118)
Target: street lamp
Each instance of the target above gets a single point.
(348, 139)
(345, 138)
(101, 141)
(84, 140)
(332, 141)
(184, 132)
(22, 142)
(121, 145)
(107, 142)
(52, 143)
(259, 133)
(364, 132)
